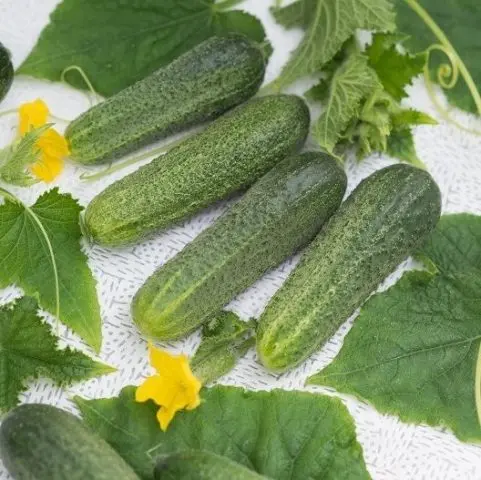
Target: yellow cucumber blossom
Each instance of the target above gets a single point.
(174, 387)
(52, 146)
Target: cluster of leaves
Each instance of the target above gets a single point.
(118, 43)
(413, 350)
(280, 434)
(28, 349)
(360, 90)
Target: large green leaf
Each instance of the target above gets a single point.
(412, 352)
(350, 85)
(459, 20)
(328, 24)
(25, 260)
(118, 42)
(29, 350)
(284, 435)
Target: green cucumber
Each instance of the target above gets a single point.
(387, 217)
(227, 157)
(200, 85)
(42, 442)
(6, 72)
(278, 215)
(201, 465)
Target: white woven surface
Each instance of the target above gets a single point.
(393, 450)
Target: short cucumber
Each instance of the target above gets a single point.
(200, 85)
(227, 157)
(201, 465)
(42, 442)
(282, 212)
(385, 219)
(6, 72)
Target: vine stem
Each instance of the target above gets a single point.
(7, 195)
(448, 47)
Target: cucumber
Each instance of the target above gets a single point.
(387, 217)
(200, 85)
(42, 442)
(6, 72)
(201, 465)
(278, 215)
(227, 157)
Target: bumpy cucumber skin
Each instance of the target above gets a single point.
(45, 443)
(201, 465)
(229, 156)
(278, 215)
(6, 72)
(387, 217)
(200, 85)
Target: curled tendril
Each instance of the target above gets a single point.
(448, 74)
(85, 78)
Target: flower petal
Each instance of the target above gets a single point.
(53, 144)
(165, 416)
(33, 114)
(159, 390)
(166, 364)
(47, 168)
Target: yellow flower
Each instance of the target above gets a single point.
(52, 146)
(32, 115)
(174, 388)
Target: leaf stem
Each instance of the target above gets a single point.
(6, 194)
(8, 112)
(457, 66)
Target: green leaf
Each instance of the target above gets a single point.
(280, 434)
(26, 260)
(400, 144)
(328, 24)
(459, 20)
(118, 43)
(16, 158)
(224, 341)
(351, 83)
(395, 70)
(412, 351)
(407, 118)
(28, 349)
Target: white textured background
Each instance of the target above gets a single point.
(393, 450)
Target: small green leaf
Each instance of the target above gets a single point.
(15, 159)
(224, 341)
(412, 351)
(26, 260)
(395, 70)
(280, 434)
(118, 43)
(408, 118)
(28, 350)
(400, 145)
(328, 24)
(351, 84)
